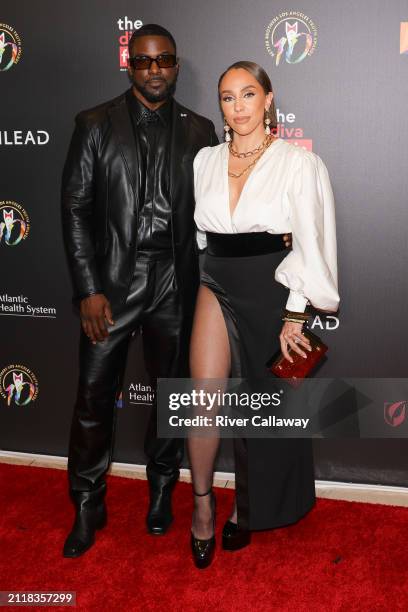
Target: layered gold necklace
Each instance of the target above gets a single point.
(260, 150)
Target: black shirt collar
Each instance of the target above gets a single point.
(138, 109)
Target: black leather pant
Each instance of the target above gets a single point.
(154, 304)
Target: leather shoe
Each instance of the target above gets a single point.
(235, 538)
(89, 517)
(160, 516)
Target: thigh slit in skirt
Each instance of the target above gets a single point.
(274, 478)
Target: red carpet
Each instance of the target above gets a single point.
(343, 556)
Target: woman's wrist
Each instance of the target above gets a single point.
(294, 317)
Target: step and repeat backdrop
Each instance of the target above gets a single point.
(340, 76)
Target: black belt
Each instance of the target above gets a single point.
(244, 245)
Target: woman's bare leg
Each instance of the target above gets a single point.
(209, 358)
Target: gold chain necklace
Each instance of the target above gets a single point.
(252, 164)
(235, 153)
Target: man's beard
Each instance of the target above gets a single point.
(160, 96)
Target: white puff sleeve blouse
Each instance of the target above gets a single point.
(288, 190)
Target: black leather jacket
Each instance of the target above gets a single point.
(100, 200)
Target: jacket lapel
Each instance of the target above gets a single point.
(123, 133)
(179, 144)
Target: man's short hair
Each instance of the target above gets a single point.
(151, 29)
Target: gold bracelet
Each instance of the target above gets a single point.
(293, 320)
(296, 315)
(302, 314)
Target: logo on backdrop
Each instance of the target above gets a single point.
(18, 385)
(404, 37)
(126, 27)
(19, 306)
(291, 35)
(137, 393)
(24, 137)
(325, 323)
(395, 412)
(291, 133)
(10, 47)
(14, 223)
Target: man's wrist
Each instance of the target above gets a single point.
(90, 294)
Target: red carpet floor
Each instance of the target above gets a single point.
(343, 556)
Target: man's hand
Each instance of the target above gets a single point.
(96, 313)
(287, 239)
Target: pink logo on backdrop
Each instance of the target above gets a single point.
(394, 412)
(302, 143)
(404, 37)
(126, 28)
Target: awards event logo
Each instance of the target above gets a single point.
(126, 27)
(291, 133)
(14, 223)
(18, 385)
(292, 34)
(404, 38)
(10, 47)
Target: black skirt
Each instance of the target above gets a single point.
(274, 478)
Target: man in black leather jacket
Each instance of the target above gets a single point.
(127, 208)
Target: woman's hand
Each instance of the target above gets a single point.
(292, 334)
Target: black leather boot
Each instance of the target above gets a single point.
(90, 516)
(159, 516)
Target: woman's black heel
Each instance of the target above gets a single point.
(203, 550)
(235, 538)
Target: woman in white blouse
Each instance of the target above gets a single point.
(250, 191)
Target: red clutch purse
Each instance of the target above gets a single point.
(302, 366)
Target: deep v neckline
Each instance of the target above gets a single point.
(226, 160)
